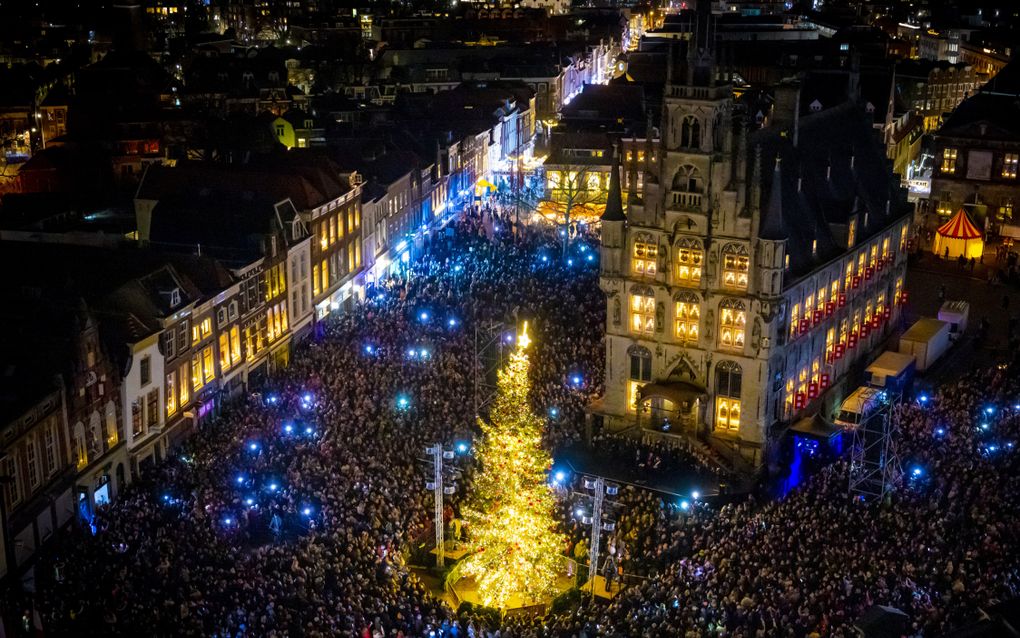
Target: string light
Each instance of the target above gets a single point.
(512, 518)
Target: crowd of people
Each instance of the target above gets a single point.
(291, 514)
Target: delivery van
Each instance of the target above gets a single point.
(862, 403)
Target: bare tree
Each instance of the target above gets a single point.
(569, 187)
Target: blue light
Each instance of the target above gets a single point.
(307, 511)
(462, 447)
(307, 398)
(272, 399)
(576, 379)
(993, 448)
(570, 262)
(288, 428)
(424, 354)
(923, 398)
(452, 322)
(273, 487)
(249, 501)
(695, 495)
(684, 505)
(591, 257)
(940, 431)
(583, 248)
(545, 258)
(240, 479)
(458, 268)
(989, 410)
(253, 447)
(984, 426)
(423, 316)
(579, 513)
(166, 498)
(559, 476)
(411, 352)
(228, 521)
(369, 348)
(554, 412)
(309, 430)
(917, 471)
(403, 402)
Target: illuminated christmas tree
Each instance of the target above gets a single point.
(511, 521)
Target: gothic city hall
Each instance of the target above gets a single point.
(754, 251)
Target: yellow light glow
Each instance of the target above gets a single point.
(524, 340)
(511, 519)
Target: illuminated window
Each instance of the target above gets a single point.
(171, 394)
(185, 393)
(1009, 165)
(207, 364)
(640, 373)
(332, 229)
(834, 291)
(727, 392)
(873, 259)
(830, 340)
(324, 234)
(235, 345)
(642, 313)
(325, 274)
(594, 182)
(880, 305)
(732, 320)
(315, 279)
(646, 257)
(196, 371)
(788, 403)
(688, 318)
(885, 248)
(794, 321)
(224, 351)
(689, 257)
(903, 238)
(849, 275)
(786, 262)
(949, 161)
(851, 236)
(735, 267)
(899, 287)
(1006, 209)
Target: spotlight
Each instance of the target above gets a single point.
(228, 521)
(923, 398)
(695, 495)
(984, 426)
(462, 447)
(424, 316)
(369, 348)
(940, 431)
(545, 258)
(576, 379)
(249, 501)
(309, 430)
(307, 398)
(273, 487)
(458, 268)
(288, 428)
(989, 410)
(579, 513)
(307, 511)
(253, 447)
(591, 257)
(403, 402)
(554, 412)
(684, 505)
(240, 479)
(452, 322)
(559, 476)
(411, 352)
(917, 471)
(570, 262)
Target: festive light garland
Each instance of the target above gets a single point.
(511, 521)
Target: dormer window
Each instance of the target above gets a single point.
(815, 106)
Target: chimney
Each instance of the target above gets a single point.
(786, 108)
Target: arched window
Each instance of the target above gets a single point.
(645, 256)
(736, 264)
(640, 372)
(727, 392)
(111, 423)
(732, 322)
(690, 132)
(687, 179)
(642, 310)
(95, 435)
(688, 259)
(687, 317)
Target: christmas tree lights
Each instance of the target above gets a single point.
(511, 521)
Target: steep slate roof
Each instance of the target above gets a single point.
(614, 200)
(815, 188)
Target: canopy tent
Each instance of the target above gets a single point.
(958, 236)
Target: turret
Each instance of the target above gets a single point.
(613, 221)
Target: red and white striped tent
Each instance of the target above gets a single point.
(960, 236)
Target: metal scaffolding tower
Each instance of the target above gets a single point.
(874, 466)
(490, 344)
(597, 490)
(440, 485)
